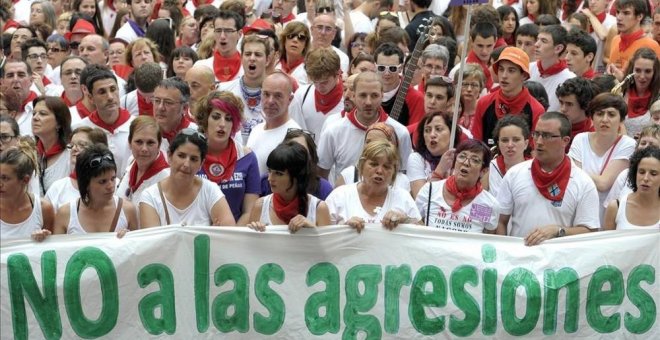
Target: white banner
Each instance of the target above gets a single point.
(329, 283)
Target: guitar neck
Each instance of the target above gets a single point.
(411, 66)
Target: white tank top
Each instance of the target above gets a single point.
(622, 221)
(311, 209)
(74, 222)
(24, 229)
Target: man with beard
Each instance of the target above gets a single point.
(136, 26)
(255, 55)
(226, 60)
(16, 83)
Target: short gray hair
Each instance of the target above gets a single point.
(435, 51)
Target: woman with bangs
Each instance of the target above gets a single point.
(289, 204)
(641, 89)
(512, 137)
(356, 45)
(228, 164)
(295, 42)
(183, 58)
(98, 209)
(374, 199)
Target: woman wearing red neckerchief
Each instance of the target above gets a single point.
(289, 204)
(295, 42)
(459, 203)
(509, 20)
(512, 138)
(230, 165)
(51, 126)
(641, 90)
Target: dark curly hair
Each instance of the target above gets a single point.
(635, 159)
(582, 89)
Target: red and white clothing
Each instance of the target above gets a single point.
(165, 143)
(344, 203)
(361, 22)
(209, 62)
(312, 203)
(298, 73)
(136, 104)
(123, 190)
(550, 82)
(594, 164)
(521, 199)
(262, 141)
(481, 213)
(304, 111)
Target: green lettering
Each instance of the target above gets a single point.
(597, 298)
(237, 297)
(96, 259)
(554, 282)
(162, 299)
(269, 299)
(327, 299)
(520, 277)
(23, 285)
(464, 301)
(201, 281)
(421, 298)
(641, 299)
(370, 276)
(395, 278)
(489, 291)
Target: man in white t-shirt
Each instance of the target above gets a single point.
(323, 32)
(548, 196)
(276, 95)
(361, 16)
(313, 104)
(16, 83)
(341, 141)
(136, 26)
(226, 60)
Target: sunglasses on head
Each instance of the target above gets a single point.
(299, 36)
(98, 160)
(298, 131)
(193, 133)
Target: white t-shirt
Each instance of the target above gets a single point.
(298, 73)
(361, 22)
(208, 62)
(312, 203)
(550, 83)
(303, 110)
(198, 213)
(126, 33)
(519, 198)
(343, 60)
(123, 189)
(252, 117)
(34, 222)
(418, 168)
(344, 203)
(482, 213)
(25, 120)
(61, 192)
(262, 142)
(59, 169)
(593, 164)
(130, 103)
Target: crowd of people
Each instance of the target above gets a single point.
(131, 114)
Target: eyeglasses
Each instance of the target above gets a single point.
(79, 146)
(544, 135)
(55, 50)
(357, 44)
(299, 36)
(297, 131)
(35, 56)
(391, 68)
(193, 133)
(6, 138)
(324, 29)
(226, 31)
(166, 102)
(433, 68)
(471, 161)
(98, 160)
(323, 10)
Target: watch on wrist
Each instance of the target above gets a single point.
(561, 232)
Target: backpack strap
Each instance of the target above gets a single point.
(162, 198)
(115, 219)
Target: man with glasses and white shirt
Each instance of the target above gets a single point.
(323, 32)
(389, 64)
(170, 102)
(226, 60)
(548, 196)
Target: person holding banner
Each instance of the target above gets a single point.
(641, 208)
(374, 199)
(459, 203)
(548, 196)
(289, 204)
(22, 214)
(98, 209)
(182, 198)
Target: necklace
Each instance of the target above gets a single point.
(252, 96)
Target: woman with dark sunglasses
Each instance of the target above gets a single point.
(98, 209)
(183, 198)
(295, 42)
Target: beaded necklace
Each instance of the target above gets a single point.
(252, 96)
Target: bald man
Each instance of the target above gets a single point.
(201, 81)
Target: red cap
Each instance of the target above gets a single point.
(258, 25)
(83, 27)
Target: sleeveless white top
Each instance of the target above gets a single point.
(268, 200)
(74, 222)
(622, 222)
(34, 222)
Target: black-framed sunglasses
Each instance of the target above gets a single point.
(297, 131)
(193, 133)
(323, 10)
(299, 36)
(98, 160)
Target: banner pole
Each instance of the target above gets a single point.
(459, 84)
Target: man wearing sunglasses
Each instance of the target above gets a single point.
(323, 32)
(103, 92)
(314, 103)
(389, 65)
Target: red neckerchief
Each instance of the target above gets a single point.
(586, 125)
(226, 69)
(638, 105)
(123, 117)
(145, 108)
(169, 135)
(156, 166)
(511, 40)
(500, 42)
(473, 59)
(82, 110)
(601, 17)
(31, 96)
(11, 23)
(288, 68)
(285, 211)
(220, 168)
(123, 71)
(288, 18)
(589, 74)
(73, 175)
(54, 150)
(382, 116)
(628, 39)
(185, 12)
(66, 100)
(548, 183)
(552, 70)
(531, 17)
(326, 102)
(501, 166)
(45, 81)
(460, 196)
(514, 106)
